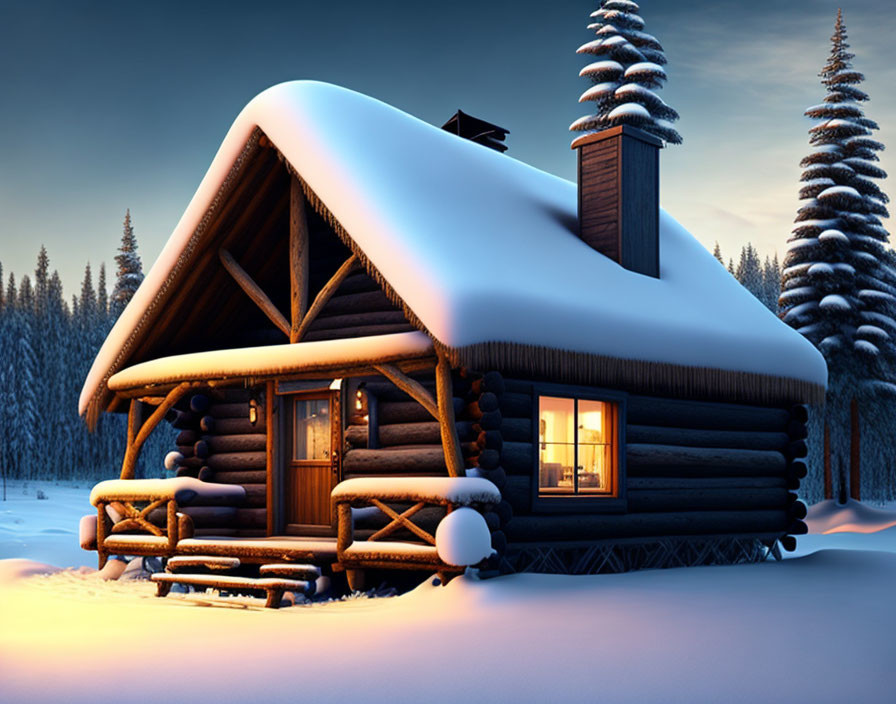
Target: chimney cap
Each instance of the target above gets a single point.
(477, 130)
(611, 132)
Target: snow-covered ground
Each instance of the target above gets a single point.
(816, 627)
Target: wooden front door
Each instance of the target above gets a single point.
(312, 461)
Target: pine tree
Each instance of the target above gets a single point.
(130, 269)
(25, 300)
(102, 296)
(771, 283)
(11, 294)
(2, 292)
(749, 271)
(629, 68)
(87, 304)
(838, 289)
(41, 280)
(717, 253)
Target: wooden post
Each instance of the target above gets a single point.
(253, 290)
(269, 452)
(298, 258)
(412, 388)
(855, 478)
(828, 478)
(454, 458)
(133, 449)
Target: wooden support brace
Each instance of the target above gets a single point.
(412, 388)
(325, 294)
(253, 290)
(401, 520)
(454, 458)
(298, 258)
(133, 449)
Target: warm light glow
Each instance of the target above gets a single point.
(253, 411)
(576, 453)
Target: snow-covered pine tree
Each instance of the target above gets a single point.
(771, 283)
(25, 300)
(130, 269)
(102, 294)
(749, 270)
(41, 280)
(838, 289)
(717, 253)
(626, 74)
(11, 293)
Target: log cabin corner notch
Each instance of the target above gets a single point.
(319, 316)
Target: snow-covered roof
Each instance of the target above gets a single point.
(483, 250)
(273, 360)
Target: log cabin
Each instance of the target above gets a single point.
(356, 304)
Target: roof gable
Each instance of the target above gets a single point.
(482, 248)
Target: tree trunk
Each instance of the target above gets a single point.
(855, 479)
(828, 479)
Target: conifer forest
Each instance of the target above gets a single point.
(47, 344)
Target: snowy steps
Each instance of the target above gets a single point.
(274, 579)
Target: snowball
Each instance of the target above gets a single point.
(463, 538)
(173, 460)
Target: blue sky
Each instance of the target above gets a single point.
(107, 106)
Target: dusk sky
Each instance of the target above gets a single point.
(107, 106)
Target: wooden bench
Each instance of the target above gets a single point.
(141, 516)
(419, 492)
(274, 587)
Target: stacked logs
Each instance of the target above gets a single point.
(394, 436)
(481, 396)
(691, 468)
(358, 308)
(222, 439)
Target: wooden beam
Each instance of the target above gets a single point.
(412, 388)
(253, 290)
(298, 257)
(133, 449)
(269, 454)
(133, 420)
(454, 458)
(325, 294)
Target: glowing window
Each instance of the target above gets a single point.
(577, 447)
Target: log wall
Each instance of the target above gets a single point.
(221, 444)
(692, 468)
(358, 308)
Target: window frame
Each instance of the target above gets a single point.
(579, 503)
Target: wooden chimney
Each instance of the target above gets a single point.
(619, 196)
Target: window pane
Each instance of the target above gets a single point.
(556, 419)
(595, 438)
(594, 426)
(311, 430)
(555, 468)
(595, 469)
